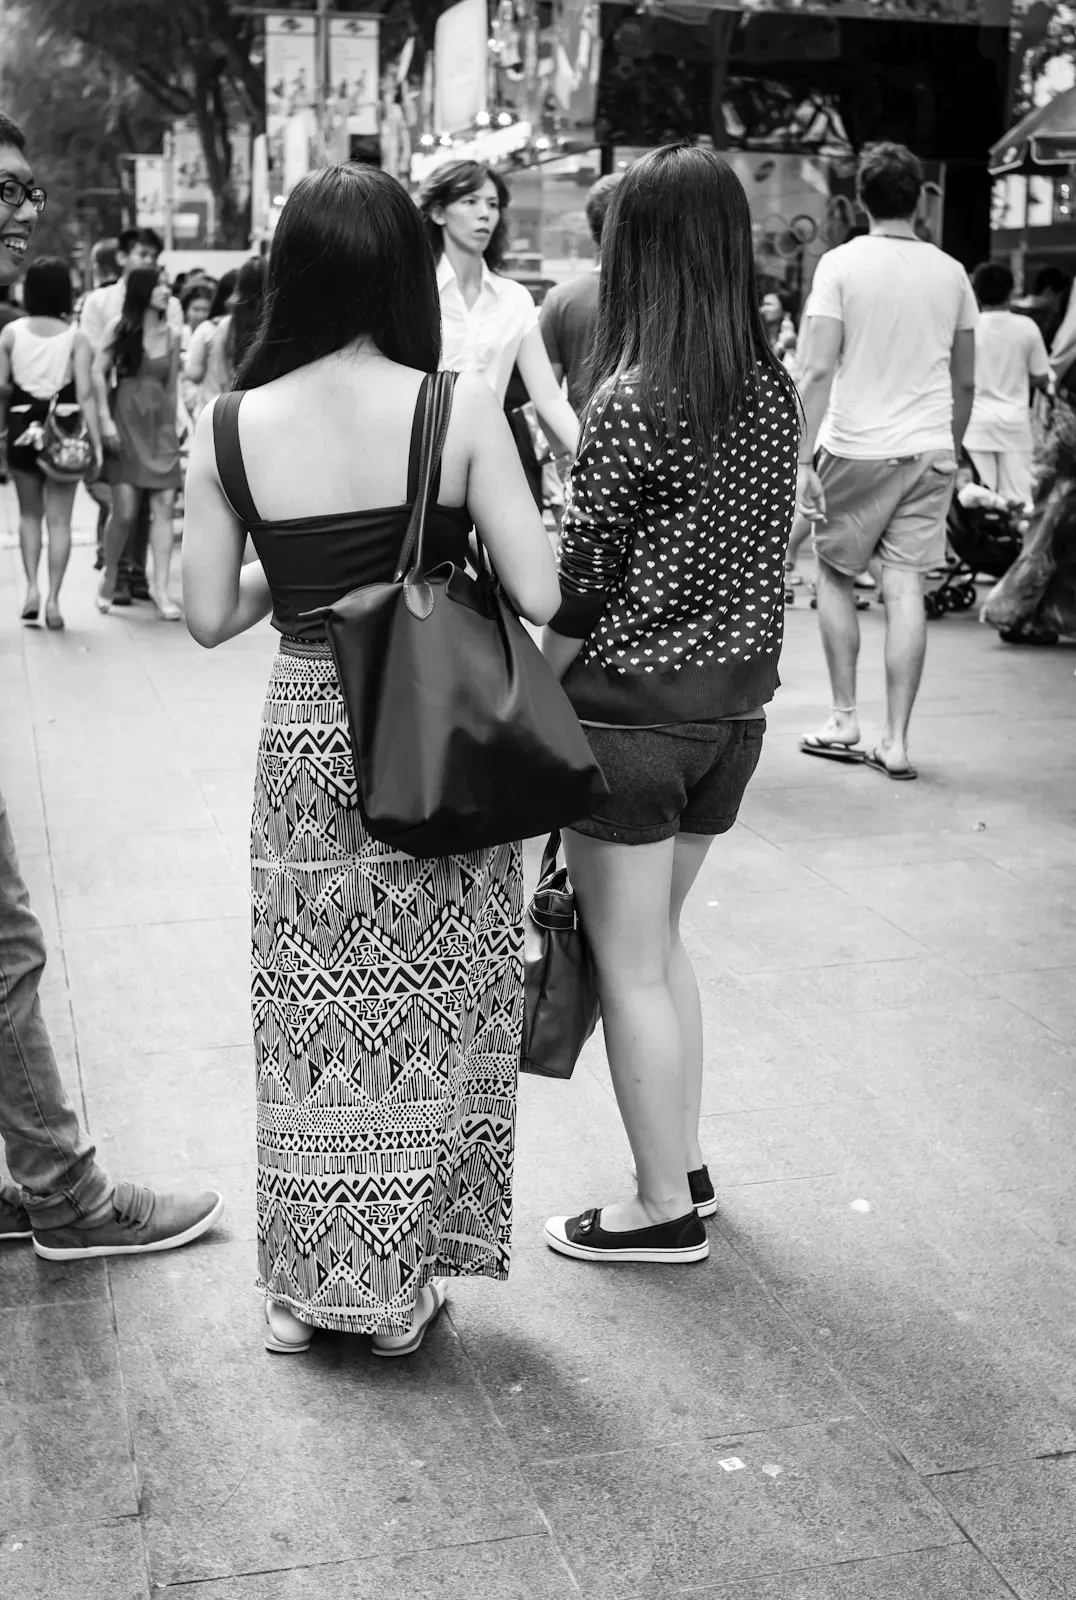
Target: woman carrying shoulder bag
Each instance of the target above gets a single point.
(667, 640)
(387, 988)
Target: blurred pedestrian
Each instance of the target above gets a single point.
(489, 323)
(1010, 365)
(385, 1128)
(139, 362)
(780, 328)
(59, 1197)
(45, 363)
(569, 309)
(667, 639)
(887, 360)
(234, 333)
(207, 370)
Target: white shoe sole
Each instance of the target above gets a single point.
(16, 1238)
(582, 1252)
(87, 1252)
(287, 1347)
(414, 1339)
(708, 1208)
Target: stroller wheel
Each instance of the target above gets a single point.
(967, 596)
(931, 605)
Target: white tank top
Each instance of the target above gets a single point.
(41, 363)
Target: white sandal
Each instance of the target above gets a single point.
(288, 1334)
(405, 1344)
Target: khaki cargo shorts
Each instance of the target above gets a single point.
(894, 509)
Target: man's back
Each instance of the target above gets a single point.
(901, 302)
(567, 323)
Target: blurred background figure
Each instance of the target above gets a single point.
(207, 371)
(780, 328)
(1010, 365)
(569, 309)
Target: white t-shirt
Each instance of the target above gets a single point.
(901, 303)
(487, 338)
(1008, 351)
(102, 305)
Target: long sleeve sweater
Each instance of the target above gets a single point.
(675, 580)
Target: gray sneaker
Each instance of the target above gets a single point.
(14, 1222)
(142, 1221)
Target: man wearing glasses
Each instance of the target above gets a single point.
(62, 1199)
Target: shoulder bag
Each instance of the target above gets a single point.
(560, 990)
(462, 736)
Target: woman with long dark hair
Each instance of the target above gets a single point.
(138, 366)
(667, 640)
(207, 371)
(489, 322)
(387, 988)
(234, 334)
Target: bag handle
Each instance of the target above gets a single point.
(434, 432)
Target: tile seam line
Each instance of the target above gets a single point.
(849, 1563)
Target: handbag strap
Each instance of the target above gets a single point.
(434, 432)
(230, 469)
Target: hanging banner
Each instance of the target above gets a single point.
(980, 13)
(576, 63)
(353, 70)
(149, 191)
(461, 71)
(291, 72)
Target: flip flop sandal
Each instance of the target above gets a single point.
(812, 745)
(898, 774)
(407, 1343)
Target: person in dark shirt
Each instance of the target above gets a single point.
(667, 641)
(569, 309)
(9, 311)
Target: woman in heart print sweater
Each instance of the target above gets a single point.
(667, 641)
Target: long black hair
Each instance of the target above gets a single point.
(678, 300)
(454, 181)
(349, 259)
(222, 293)
(127, 340)
(246, 309)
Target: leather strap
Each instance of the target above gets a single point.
(230, 468)
(434, 432)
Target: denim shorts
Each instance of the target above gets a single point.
(664, 781)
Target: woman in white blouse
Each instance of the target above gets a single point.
(489, 323)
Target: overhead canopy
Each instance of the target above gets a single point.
(1043, 141)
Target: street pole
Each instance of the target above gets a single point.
(169, 175)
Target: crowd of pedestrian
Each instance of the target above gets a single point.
(706, 435)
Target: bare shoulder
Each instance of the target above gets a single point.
(474, 402)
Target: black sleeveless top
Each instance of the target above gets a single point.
(313, 561)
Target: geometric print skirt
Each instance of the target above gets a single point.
(387, 999)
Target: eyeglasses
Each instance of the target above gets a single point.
(15, 194)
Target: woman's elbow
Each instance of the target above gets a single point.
(202, 633)
(542, 604)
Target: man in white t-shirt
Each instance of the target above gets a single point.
(1010, 362)
(888, 345)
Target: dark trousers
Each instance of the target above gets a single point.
(133, 559)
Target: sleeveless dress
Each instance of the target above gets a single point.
(40, 373)
(144, 412)
(386, 989)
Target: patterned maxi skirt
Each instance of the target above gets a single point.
(387, 1008)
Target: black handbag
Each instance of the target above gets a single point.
(560, 990)
(462, 736)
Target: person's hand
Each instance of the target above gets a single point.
(110, 439)
(810, 495)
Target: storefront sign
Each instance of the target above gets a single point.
(576, 62)
(291, 75)
(149, 191)
(461, 71)
(353, 70)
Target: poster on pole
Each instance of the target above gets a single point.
(149, 191)
(353, 71)
(461, 66)
(291, 69)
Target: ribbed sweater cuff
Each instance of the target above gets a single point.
(578, 614)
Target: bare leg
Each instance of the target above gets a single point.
(905, 652)
(30, 491)
(839, 627)
(59, 499)
(117, 528)
(688, 856)
(624, 897)
(162, 542)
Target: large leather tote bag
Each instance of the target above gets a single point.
(463, 738)
(560, 988)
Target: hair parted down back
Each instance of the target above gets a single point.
(678, 300)
(349, 260)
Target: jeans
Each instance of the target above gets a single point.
(48, 1155)
(132, 565)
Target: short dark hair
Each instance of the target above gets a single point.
(452, 182)
(599, 196)
(46, 291)
(1051, 280)
(11, 133)
(992, 282)
(200, 289)
(889, 181)
(132, 236)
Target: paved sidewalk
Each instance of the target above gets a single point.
(867, 1393)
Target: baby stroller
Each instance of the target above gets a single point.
(985, 533)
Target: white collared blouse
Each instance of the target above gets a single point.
(487, 338)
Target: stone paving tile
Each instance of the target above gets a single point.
(669, 1519)
(1023, 1517)
(26, 1280)
(66, 1455)
(74, 1561)
(956, 1572)
(194, 1107)
(949, 1321)
(1048, 995)
(801, 927)
(184, 859)
(511, 1569)
(249, 1461)
(825, 993)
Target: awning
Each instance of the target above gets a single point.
(1043, 141)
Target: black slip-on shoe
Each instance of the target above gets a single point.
(583, 1237)
(702, 1192)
